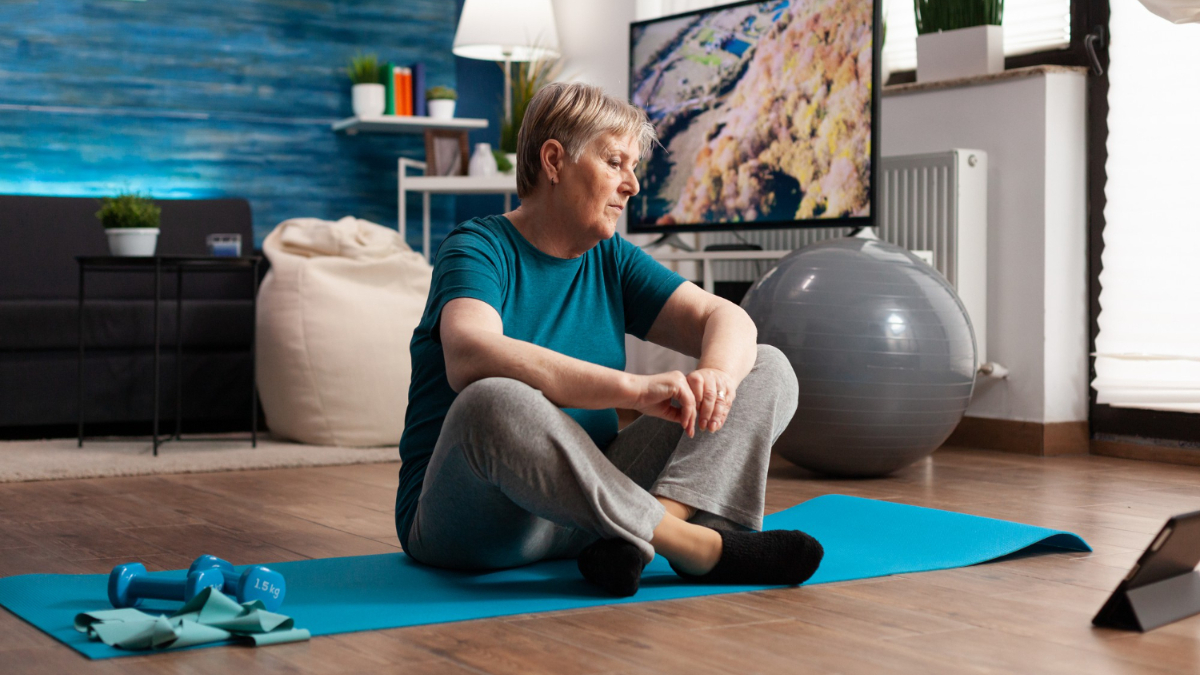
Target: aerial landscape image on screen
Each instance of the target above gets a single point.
(763, 111)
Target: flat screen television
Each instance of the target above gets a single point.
(767, 113)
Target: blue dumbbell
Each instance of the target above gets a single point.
(254, 583)
(130, 583)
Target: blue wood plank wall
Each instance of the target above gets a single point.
(203, 98)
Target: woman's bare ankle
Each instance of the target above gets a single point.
(692, 548)
(678, 509)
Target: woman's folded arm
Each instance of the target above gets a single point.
(475, 347)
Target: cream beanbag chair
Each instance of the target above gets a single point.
(336, 313)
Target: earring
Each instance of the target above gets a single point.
(554, 181)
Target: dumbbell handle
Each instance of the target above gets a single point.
(150, 587)
(254, 583)
(230, 575)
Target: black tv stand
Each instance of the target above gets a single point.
(672, 239)
(733, 247)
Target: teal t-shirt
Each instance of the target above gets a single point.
(581, 307)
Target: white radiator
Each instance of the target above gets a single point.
(934, 205)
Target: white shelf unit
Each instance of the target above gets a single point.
(404, 124)
(431, 185)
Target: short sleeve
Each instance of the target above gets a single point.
(468, 266)
(645, 286)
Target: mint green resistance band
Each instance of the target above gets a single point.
(211, 616)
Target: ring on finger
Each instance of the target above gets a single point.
(721, 395)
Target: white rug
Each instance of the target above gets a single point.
(61, 458)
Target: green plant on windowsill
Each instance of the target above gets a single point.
(363, 69)
(934, 16)
(441, 93)
(128, 210)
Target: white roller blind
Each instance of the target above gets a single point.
(1029, 25)
(1148, 349)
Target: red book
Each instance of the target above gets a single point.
(398, 89)
(407, 92)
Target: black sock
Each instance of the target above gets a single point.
(776, 557)
(614, 565)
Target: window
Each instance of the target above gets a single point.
(1148, 347)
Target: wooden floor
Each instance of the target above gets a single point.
(1029, 615)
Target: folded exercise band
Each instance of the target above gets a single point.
(209, 616)
(862, 538)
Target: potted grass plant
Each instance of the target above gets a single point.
(525, 79)
(366, 93)
(440, 101)
(959, 38)
(131, 223)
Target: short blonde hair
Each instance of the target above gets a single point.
(574, 114)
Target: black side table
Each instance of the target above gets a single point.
(157, 264)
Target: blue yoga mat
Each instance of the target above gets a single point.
(862, 538)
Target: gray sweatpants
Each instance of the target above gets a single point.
(514, 480)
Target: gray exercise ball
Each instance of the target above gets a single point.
(882, 347)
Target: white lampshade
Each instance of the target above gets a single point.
(506, 30)
(1175, 11)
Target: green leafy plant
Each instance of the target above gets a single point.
(441, 93)
(128, 210)
(502, 163)
(939, 15)
(364, 69)
(526, 79)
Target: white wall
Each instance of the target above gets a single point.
(1033, 129)
(594, 38)
(1066, 315)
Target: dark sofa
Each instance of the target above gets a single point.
(39, 323)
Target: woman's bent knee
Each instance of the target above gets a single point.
(490, 389)
(498, 416)
(493, 401)
(773, 365)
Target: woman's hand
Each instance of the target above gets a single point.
(713, 391)
(653, 394)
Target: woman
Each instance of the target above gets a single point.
(511, 452)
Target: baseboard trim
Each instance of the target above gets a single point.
(1147, 452)
(1025, 438)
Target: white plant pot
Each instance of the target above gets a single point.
(367, 100)
(512, 159)
(966, 52)
(441, 108)
(132, 241)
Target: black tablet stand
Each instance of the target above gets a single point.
(1163, 586)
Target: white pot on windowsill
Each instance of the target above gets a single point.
(132, 241)
(367, 99)
(965, 52)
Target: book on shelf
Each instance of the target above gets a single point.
(404, 89)
(408, 92)
(398, 91)
(389, 88)
(418, 89)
